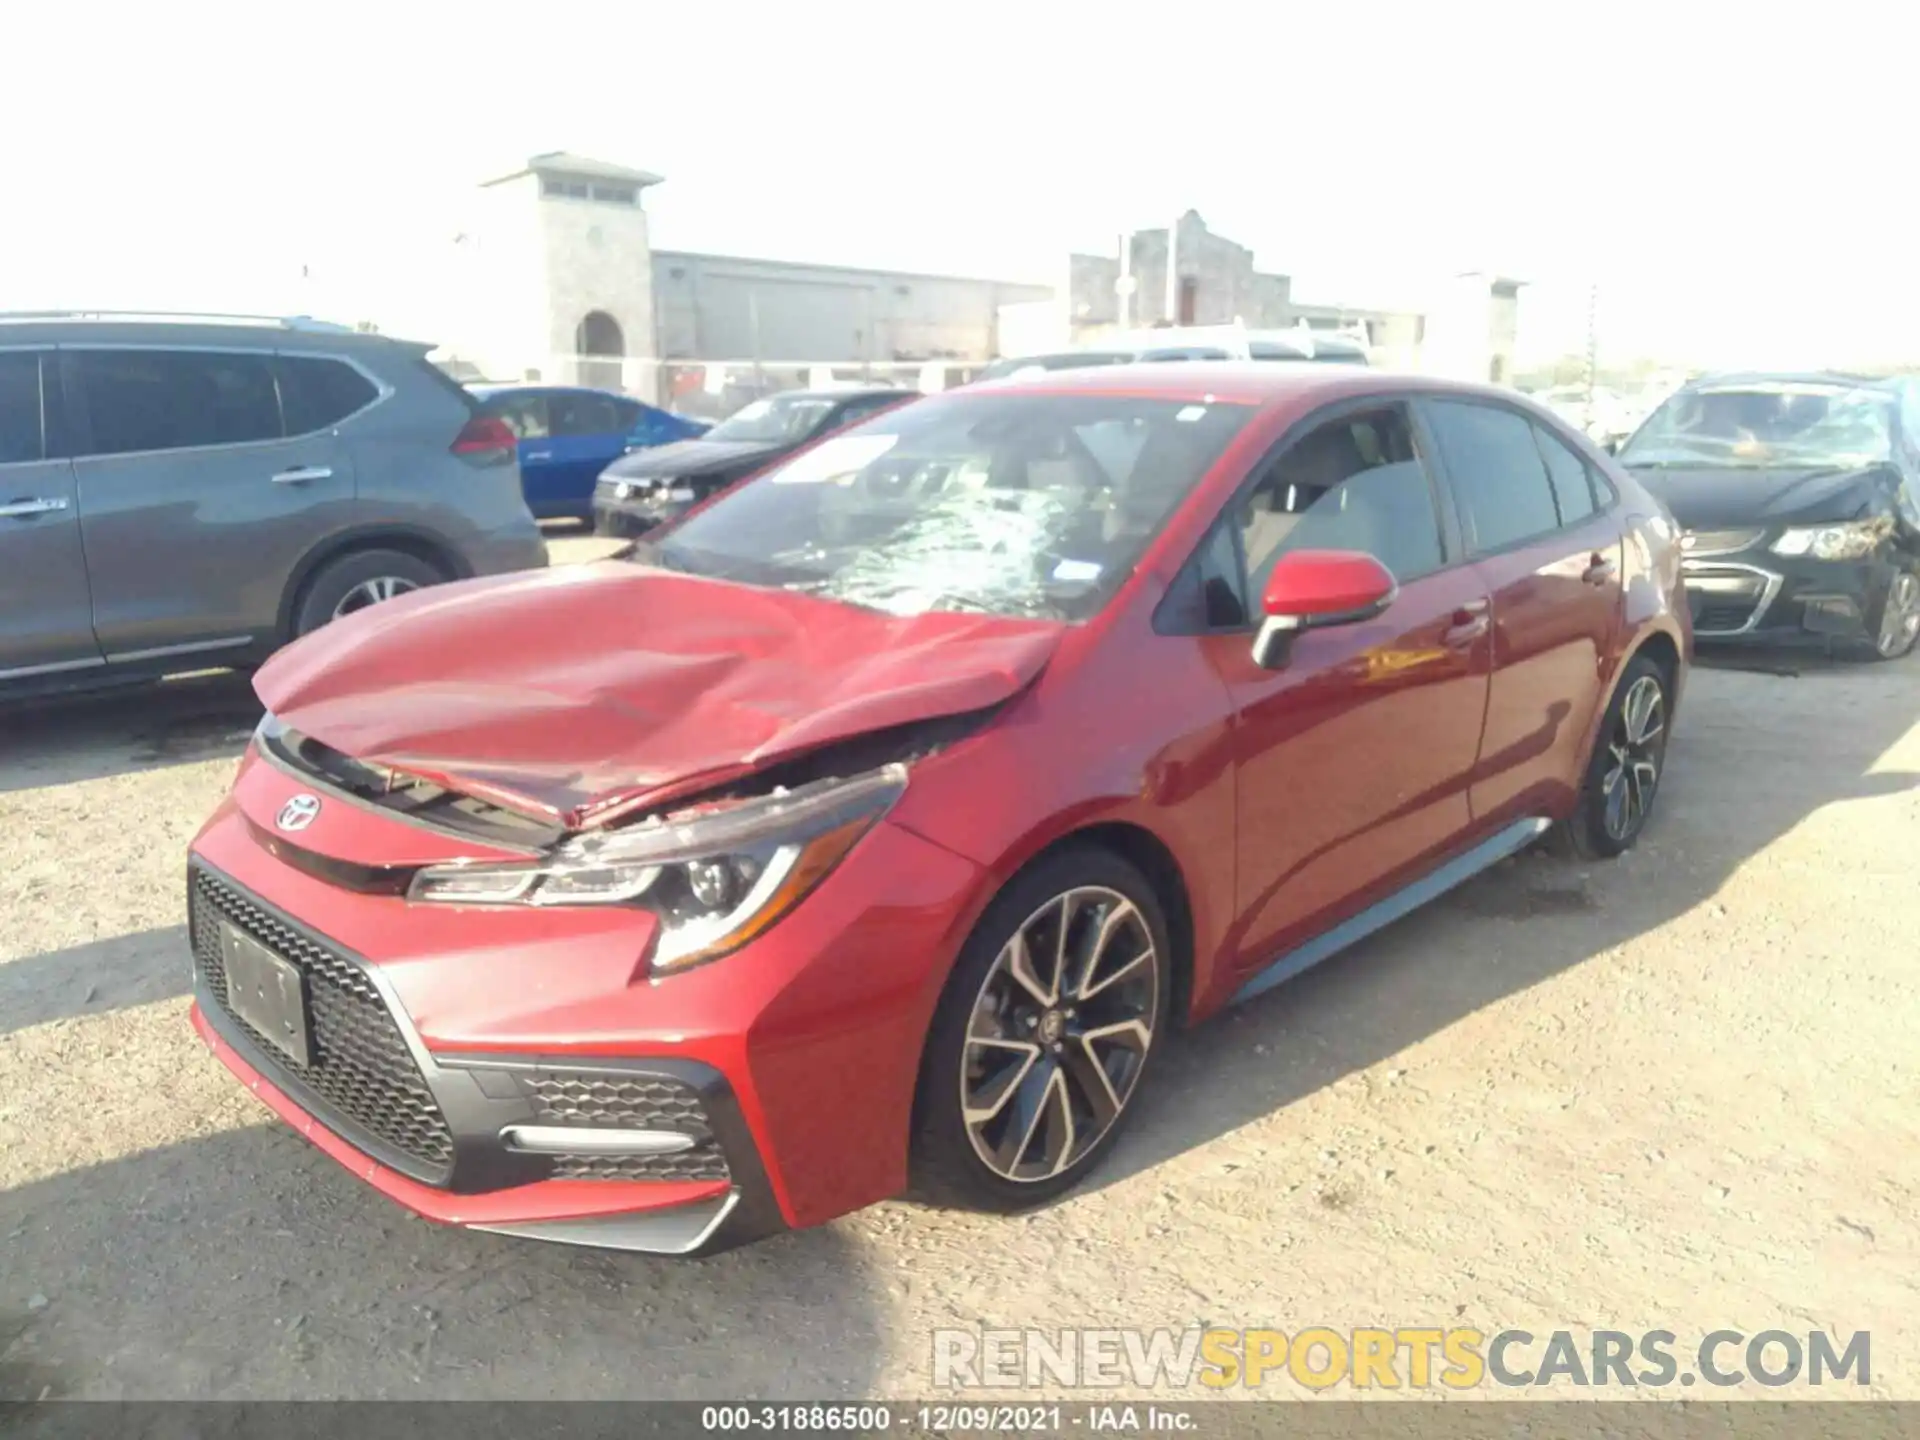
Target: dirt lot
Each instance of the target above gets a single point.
(1677, 1091)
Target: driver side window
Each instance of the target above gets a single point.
(1355, 483)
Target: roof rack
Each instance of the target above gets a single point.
(282, 322)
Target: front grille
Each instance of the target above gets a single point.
(1718, 542)
(618, 1101)
(361, 1070)
(397, 791)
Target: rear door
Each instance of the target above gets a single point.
(1533, 518)
(588, 432)
(46, 612)
(195, 503)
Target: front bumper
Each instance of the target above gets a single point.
(640, 508)
(1758, 597)
(476, 1064)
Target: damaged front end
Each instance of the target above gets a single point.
(714, 870)
(714, 875)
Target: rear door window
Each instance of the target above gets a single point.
(316, 393)
(1571, 477)
(143, 400)
(1499, 481)
(22, 432)
(524, 413)
(583, 414)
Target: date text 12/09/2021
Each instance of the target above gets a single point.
(981, 1419)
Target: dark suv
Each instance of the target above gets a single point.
(183, 493)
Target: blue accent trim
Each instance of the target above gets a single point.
(1429, 887)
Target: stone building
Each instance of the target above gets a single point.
(556, 279)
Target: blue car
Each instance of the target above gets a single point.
(568, 434)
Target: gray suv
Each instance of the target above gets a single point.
(180, 494)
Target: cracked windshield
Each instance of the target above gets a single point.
(1760, 426)
(1021, 505)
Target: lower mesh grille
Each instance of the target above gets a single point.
(612, 1100)
(361, 1070)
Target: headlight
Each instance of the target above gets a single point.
(1849, 541)
(716, 877)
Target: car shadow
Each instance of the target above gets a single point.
(95, 978)
(248, 1264)
(66, 740)
(1741, 773)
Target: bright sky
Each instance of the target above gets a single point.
(1734, 176)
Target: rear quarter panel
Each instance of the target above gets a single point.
(411, 481)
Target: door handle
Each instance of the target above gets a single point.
(29, 506)
(301, 474)
(1600, 569)
(1467, 624)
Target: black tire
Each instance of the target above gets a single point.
(338, 580)
(1594, 831)
(1893, 635)
(946, 1166)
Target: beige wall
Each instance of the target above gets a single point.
(722, 307)
(597, 258)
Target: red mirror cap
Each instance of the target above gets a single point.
(1319, 583)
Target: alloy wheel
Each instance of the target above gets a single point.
(1636, 746)
(1900, 617)
(1059, 1034)
(372, 592)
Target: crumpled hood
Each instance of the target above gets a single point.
(690, 457)
(1723, 498)
(584, 691)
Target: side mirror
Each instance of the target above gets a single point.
(1316, 589)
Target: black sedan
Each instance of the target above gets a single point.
(648, 487)
(1798, 498)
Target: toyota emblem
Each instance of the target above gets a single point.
(298, 813)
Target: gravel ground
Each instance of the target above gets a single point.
(1676, 1091)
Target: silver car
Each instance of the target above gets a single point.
(183, 493)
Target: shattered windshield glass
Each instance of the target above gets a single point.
(1766, 425)
(1005, 504)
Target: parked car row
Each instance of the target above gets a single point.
(879, 813)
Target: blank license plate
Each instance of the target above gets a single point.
(681, 492)
(268, 993)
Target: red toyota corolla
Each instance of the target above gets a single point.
(880, 819)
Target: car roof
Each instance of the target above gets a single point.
(849, 392)
(1245, 382)
(239, 333)
(1793, 377)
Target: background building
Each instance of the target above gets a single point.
(557, 280)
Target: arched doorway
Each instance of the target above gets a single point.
(598, 335)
